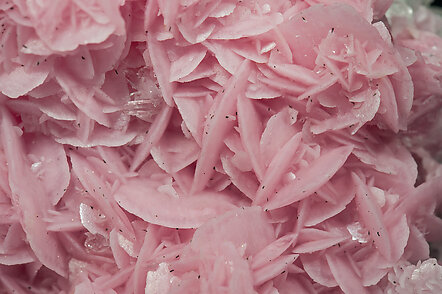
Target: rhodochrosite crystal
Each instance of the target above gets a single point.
(220, 146)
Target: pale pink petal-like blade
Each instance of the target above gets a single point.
(311, 178)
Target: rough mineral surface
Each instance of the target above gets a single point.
(220, 146)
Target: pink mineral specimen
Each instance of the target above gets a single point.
(220, 146)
